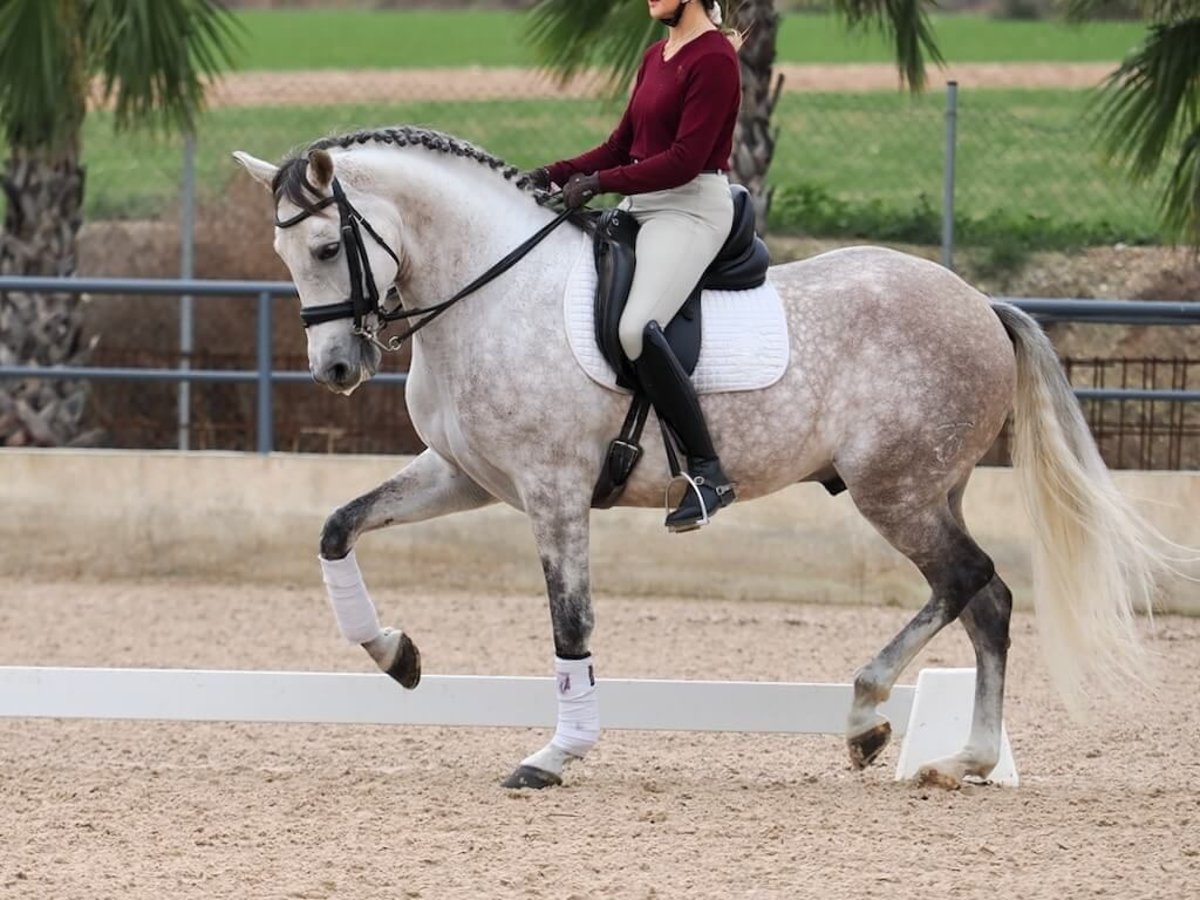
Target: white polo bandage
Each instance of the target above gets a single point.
(578, 708)
(348, 597)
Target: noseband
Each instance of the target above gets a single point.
(363, 303)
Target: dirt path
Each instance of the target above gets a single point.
(303, 88)
(143, 810)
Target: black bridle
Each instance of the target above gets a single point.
(364, 302)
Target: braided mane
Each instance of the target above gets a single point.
(290, 181)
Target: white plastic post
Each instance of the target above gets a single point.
(940, 723)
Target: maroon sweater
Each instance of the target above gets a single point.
(679, 121)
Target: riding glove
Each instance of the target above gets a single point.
(580, 189)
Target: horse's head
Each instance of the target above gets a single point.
(337, 242)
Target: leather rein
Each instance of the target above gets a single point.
(364, 301)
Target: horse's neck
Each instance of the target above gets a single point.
(459, 219)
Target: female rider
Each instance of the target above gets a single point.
(669, 156)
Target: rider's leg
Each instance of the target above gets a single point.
(670, 390)
(681, 232)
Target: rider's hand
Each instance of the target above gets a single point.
(580, 189)
(538, 178)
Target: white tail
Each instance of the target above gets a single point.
(1096, 560)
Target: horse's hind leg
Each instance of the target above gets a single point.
(986, 619)
(427, 487)
(956, 569)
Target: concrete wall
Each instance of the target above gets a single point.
(120, 515)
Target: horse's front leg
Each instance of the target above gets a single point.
(429, 486)
(560, 529)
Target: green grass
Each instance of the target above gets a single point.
(323, 39)
(867, 164)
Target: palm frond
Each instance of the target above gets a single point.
(42, 86)
(1149, 109)
(1181, 197)
(906, 25)
(155, 57)
(1152, 99)
(572, 35)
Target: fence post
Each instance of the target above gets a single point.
(266, 424)
(948, 175)
(187, 243)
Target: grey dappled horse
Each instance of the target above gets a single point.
(900, 377)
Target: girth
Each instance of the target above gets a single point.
(741, 264)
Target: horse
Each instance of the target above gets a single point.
(899, 377)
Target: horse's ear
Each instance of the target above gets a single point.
(320, 169)
(260, 169)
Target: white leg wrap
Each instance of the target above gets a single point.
(578, 710)
(348, 597)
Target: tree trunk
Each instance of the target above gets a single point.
(754, 142)
(41, 225)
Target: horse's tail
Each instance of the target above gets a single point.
(1096, 561)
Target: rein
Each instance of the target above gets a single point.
(364, 302)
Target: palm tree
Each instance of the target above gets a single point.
(150, 61)
(1147, 111)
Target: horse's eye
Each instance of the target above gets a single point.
(327, 252)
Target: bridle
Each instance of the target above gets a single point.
(370, 316)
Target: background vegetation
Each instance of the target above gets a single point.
(279, 39)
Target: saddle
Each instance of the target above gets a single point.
(741, 264)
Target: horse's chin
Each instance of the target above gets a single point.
(364, 375)
(371, 358)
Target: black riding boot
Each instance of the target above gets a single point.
(675, 401)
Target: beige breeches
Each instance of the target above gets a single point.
(681, 232)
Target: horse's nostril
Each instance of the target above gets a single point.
(339, 373)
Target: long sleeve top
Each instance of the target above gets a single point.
(679, 121)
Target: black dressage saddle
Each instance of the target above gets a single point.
(740, 265)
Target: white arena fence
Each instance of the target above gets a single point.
(933, 717)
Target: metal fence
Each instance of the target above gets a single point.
(265, 376)
(847, 163)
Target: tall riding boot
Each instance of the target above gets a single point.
(670, 390)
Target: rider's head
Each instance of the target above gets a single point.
(672, 13)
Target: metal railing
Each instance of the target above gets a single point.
(264, 376)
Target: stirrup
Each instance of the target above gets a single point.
(694, 484)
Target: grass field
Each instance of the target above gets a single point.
(868, 164)
(362, 39)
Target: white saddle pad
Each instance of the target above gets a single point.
(743, 334)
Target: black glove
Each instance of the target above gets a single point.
(580, 189)
(538, 178)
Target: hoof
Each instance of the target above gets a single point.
(866, 746)
(406, 668)
(931, 776)
(529, 777)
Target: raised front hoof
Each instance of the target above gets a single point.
(406, 668)
(529, 777)
(866, 746)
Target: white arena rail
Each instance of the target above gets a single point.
(939, 707)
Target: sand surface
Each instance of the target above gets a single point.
(145, 810)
